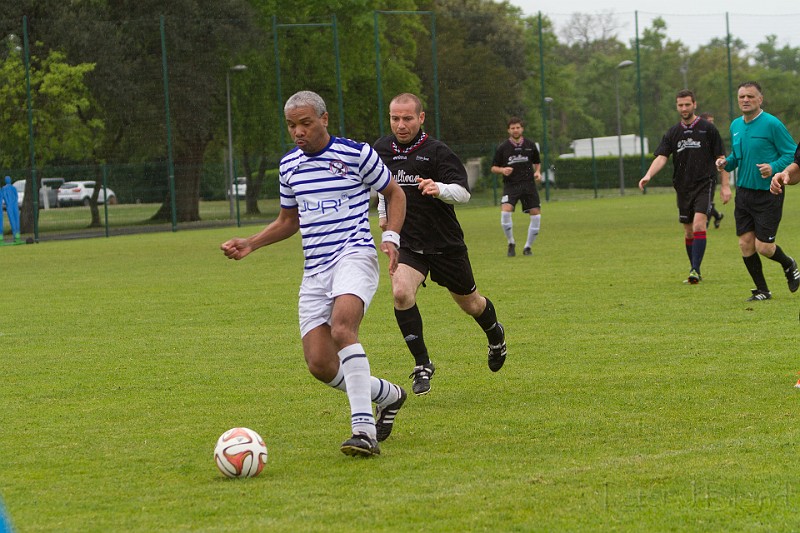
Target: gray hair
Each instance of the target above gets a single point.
(306, 99)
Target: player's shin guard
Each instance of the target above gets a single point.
(533, 230)
(753, 264)
(355, 367)
(508, 225)
(410, 323)
(488, 322)
(698, 249)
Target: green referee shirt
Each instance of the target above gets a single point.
(762, 140)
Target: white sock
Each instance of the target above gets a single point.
(508, 225)
(533, 230)
(355, 367)
(382, 392)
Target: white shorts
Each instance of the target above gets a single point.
(355, 274)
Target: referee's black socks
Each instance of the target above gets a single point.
(782, 258)
(488, 322)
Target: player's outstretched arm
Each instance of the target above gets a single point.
(789, 176)
(283, 227)
(655, 167)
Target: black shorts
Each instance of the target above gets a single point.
(758, 211)
(452, 271)
(698, 199)
(528, 196)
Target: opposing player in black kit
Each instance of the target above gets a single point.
(695, 145)
(517, 160)
(431, 240)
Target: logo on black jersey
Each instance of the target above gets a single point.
(338, 168)
(688, 143)
(405, 179)
(422, 158)
(518, 159)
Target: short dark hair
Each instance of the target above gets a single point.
(514, 120)
(751, 84)
(706, 115)
(683, 93)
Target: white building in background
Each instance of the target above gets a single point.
(606, 146)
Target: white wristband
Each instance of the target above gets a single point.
(392, 237)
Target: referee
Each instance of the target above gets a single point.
(761, 147)
(694, 144)
(431, 240)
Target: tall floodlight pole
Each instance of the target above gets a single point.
(623, 64)
(231, 181)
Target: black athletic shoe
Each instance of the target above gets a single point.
(793, 276)
(759, 295)
(718, 220)
(512, 250)
(498, 352)
(527, 251)
(361, 445)
(422, 375)
(384, 416)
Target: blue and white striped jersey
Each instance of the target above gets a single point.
(330, 190)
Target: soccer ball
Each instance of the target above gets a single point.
(240, 452)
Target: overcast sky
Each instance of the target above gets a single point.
(693, 23)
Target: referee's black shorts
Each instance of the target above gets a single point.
(758, 211)
(452, 270)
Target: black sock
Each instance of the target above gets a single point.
(410, 322)
(488, 322)
(782, 258)
(753, 264)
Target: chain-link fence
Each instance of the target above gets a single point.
(138, 116)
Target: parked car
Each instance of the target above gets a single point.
(79, 193)
(48, 193)
(240, 186)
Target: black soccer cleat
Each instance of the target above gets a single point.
(384, 416)
(718, 220)
(527, 251)
(361, 445)
(422, 375)
(793, 276)
(498, 352)
(512, 250)
(759, 295)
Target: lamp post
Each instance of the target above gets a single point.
(549, 101)
(623, 64)
(231, 192)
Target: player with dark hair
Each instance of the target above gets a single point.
(325, 183)
(431, 241)
(761, 147)
(694, 144)
(713, 213)
(517, 160)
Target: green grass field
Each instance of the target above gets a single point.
(630, 401)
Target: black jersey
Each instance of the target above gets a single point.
(431, 225)
(694, 149)
(520, 157)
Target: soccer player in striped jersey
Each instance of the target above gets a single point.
(325, 184)
(431, 241)
(694, 144)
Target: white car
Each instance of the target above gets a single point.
(50, 187)
(79, 193)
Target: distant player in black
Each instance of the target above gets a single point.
(695, 145)
(517, 160)
(431, 240)
(713, 213)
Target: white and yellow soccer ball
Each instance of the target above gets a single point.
(240, 452)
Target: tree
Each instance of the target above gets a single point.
(59, 98)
